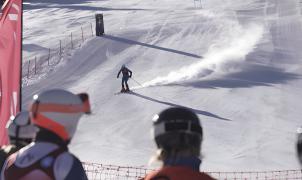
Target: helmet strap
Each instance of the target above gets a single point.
(17, 142)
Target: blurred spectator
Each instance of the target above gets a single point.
(299, 145)
(1, 4)
(178, 136)
(56, 113)
(21, 132)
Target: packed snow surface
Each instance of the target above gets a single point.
(237, 64)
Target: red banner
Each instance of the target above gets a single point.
(10, 63)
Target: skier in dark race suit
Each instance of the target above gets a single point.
(126, 75)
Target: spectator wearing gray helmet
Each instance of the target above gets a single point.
(178, 135)
(56, 113)
(21, 132)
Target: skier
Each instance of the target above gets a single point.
(126, 75)
(21, 132)
(56, 113)
(178, 136)
(299, 145)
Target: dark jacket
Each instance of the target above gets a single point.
(125, 71)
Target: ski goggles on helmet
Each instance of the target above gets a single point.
(177, 125)
(84, 107)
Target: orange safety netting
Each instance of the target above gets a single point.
(110, 172)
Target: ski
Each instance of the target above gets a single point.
(123, 92)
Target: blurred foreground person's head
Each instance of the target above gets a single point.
(21, 131)
(57, 113)
(178, 135)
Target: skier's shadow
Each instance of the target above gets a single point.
(197, 111)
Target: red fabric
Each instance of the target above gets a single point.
(51, 125)
(177, 173)
(10, 63)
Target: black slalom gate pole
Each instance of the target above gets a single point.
(99, 26)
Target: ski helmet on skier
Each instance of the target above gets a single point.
(20, 129)
(177, 127)
(299, 145)
(59, 111)
(123, 66)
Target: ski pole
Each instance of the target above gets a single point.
(137, 82)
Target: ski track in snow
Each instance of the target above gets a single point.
(229, 49)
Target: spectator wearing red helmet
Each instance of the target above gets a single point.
(56, 113)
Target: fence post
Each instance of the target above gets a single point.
(91, 29)
(28, 69)
(60, 48)
(48, 57)
(35, 64)
(71, 40)
(200, 5)
(82, 34)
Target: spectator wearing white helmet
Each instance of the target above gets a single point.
(21, 132)
(56, 113)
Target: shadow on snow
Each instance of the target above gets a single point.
(129, 41)
(197, 111)
(72, 4)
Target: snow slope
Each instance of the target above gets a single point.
(236, 63)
